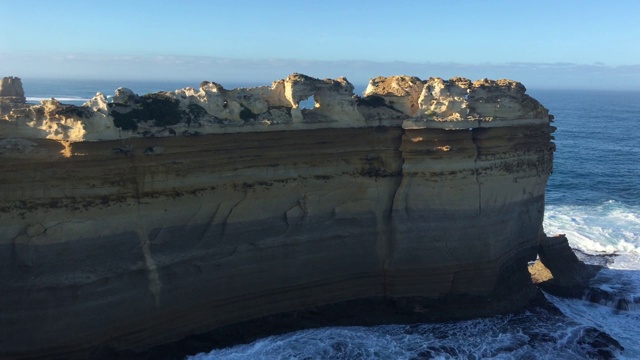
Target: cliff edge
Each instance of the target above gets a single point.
(134, 221)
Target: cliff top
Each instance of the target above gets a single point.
(401, 101)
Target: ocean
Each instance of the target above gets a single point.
(593, 197)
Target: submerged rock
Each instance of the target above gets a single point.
(598, 344)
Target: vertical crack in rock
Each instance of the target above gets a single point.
(152, 270)
(210, 223)
(477, 170)
(384, 233)
(386, 227)
(390, 231)
(226, 219)
(298, 213)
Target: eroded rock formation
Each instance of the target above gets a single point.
(559, 271)
(11, 94)
(119, 223)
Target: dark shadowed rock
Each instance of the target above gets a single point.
(559, 271)
(599, 345)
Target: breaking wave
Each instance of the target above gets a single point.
(610, 227)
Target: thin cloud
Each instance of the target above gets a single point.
(264, 71)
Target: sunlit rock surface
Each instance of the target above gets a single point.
(399, 92)
(135, 222)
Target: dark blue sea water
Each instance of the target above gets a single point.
(593, 196)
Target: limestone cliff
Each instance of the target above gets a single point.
(136, 222)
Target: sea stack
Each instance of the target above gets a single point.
(11, 93)
(137, 222)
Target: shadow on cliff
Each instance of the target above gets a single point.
(558, 271)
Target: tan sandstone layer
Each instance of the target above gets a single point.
(132, 231)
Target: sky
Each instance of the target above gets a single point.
(544, 44)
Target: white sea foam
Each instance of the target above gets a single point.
(539, 335)
(621, 325)
(60, 99)
(611, 227)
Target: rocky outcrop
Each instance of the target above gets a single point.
(196, 209)
(11, 94)
(559, 271)
(459, 103)
(398, 92)
(397, 101)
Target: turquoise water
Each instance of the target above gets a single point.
(593, 197)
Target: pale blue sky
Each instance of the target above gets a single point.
(552, 44)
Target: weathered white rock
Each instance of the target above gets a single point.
(123, 96)
(399, 92)
(459, 103)
(334, 102)
(503, 99)
(389, 101)
(98, 104)
(56, 121)
(445, 100)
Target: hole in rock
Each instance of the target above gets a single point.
(309, 103)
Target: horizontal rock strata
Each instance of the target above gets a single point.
(205, 208)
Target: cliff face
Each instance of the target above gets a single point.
(419, 191)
